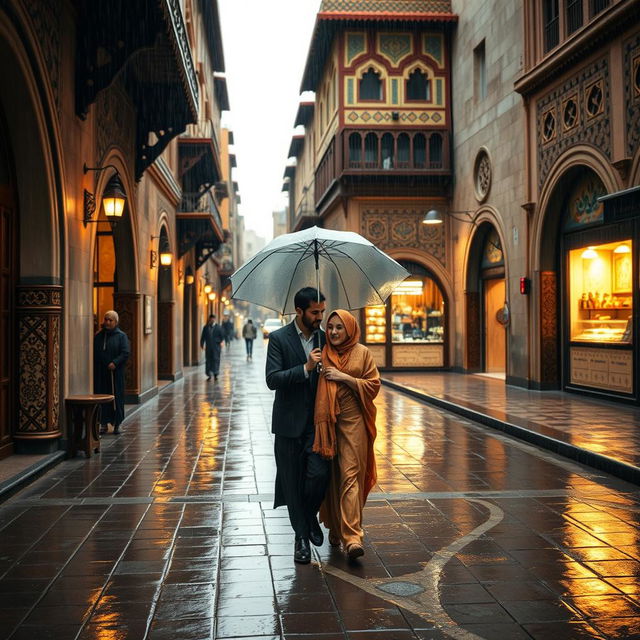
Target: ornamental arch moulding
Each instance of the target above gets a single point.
(371, 64)
(37, 159)
(579, 156)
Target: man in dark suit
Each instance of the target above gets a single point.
(302, 476)
(211, 339)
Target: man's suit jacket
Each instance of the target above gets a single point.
(211, 337)
(295, 394)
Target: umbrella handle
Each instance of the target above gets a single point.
(317, 256)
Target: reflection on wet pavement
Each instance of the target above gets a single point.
(170, 533)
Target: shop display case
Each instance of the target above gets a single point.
(375, 325)
(601, 299)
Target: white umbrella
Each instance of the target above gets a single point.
(348, 269)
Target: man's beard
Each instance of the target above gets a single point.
(310, 324)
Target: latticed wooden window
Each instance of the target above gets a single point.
(370, 86)
(418, 86)
(551, 24)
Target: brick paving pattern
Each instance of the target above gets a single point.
(169, 533)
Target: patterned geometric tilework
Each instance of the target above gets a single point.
(434, 47)
(386, 6)
(416, 118)
(394, 46)
(356, 44)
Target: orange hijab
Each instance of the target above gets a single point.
(356, 360)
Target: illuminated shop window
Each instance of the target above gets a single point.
(417, 312)
(601, 296)
(375, 325)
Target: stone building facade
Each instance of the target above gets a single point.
(539, 162)
(85, 88)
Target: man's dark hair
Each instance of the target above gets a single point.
(213, 315)
(305, 297)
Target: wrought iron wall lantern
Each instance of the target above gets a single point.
(113, 198)
(435, 217)
(166, 257)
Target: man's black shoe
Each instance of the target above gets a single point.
(315, 533)
(208, 377)
(302, 551)
(215, 377)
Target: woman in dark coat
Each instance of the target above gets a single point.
(110, 354)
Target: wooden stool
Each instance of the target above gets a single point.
(82, 422)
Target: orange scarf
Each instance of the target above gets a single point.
(354, 359)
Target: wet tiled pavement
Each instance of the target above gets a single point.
(601, 432)
(169, 533)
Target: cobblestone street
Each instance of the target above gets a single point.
(170, 533)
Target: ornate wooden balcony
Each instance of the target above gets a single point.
(377, 153)
(199, 225)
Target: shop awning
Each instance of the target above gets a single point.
(199, 166)
(621, 205)
(144, 44)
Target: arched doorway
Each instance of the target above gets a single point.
(486, 304)
(410, 331)
(8, 275)
(115, 283)
(165, 341)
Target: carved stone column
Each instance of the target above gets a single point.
(39, 313)
(165, 341)
(549, 351)
(128, 307)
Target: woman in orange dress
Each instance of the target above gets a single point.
(345, 421)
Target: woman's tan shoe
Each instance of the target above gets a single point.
(355, 551)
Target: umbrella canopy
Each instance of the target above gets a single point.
(350, 271)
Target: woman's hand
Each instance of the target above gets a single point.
(335, 375)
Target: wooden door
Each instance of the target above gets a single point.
(495, 334)
(7, 287)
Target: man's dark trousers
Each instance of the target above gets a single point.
(302, 477)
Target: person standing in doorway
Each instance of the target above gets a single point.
(291, 370)
(249, 333)
(228, 330)
(110, 354)
(211, 341)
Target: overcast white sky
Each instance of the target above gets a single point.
(265, 49)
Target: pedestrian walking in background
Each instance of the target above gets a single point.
(292, 357)
(110, 354)
(345, 428)
(228, 330)
(249, 333)
(211, 341)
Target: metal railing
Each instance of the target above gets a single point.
(201, 203)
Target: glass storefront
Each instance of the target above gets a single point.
(417, 312)
(600, 291)
(410, 330)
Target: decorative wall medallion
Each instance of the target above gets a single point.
(570, 112)
(591, 88)
(403, 228)
(584, 208)
(549, 126)
(482, 175)
(394, 46)
(594, 97)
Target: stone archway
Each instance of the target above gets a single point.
(35, 337)
(115, 272)
(165, 324)
(548, 272)
(485, 297)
